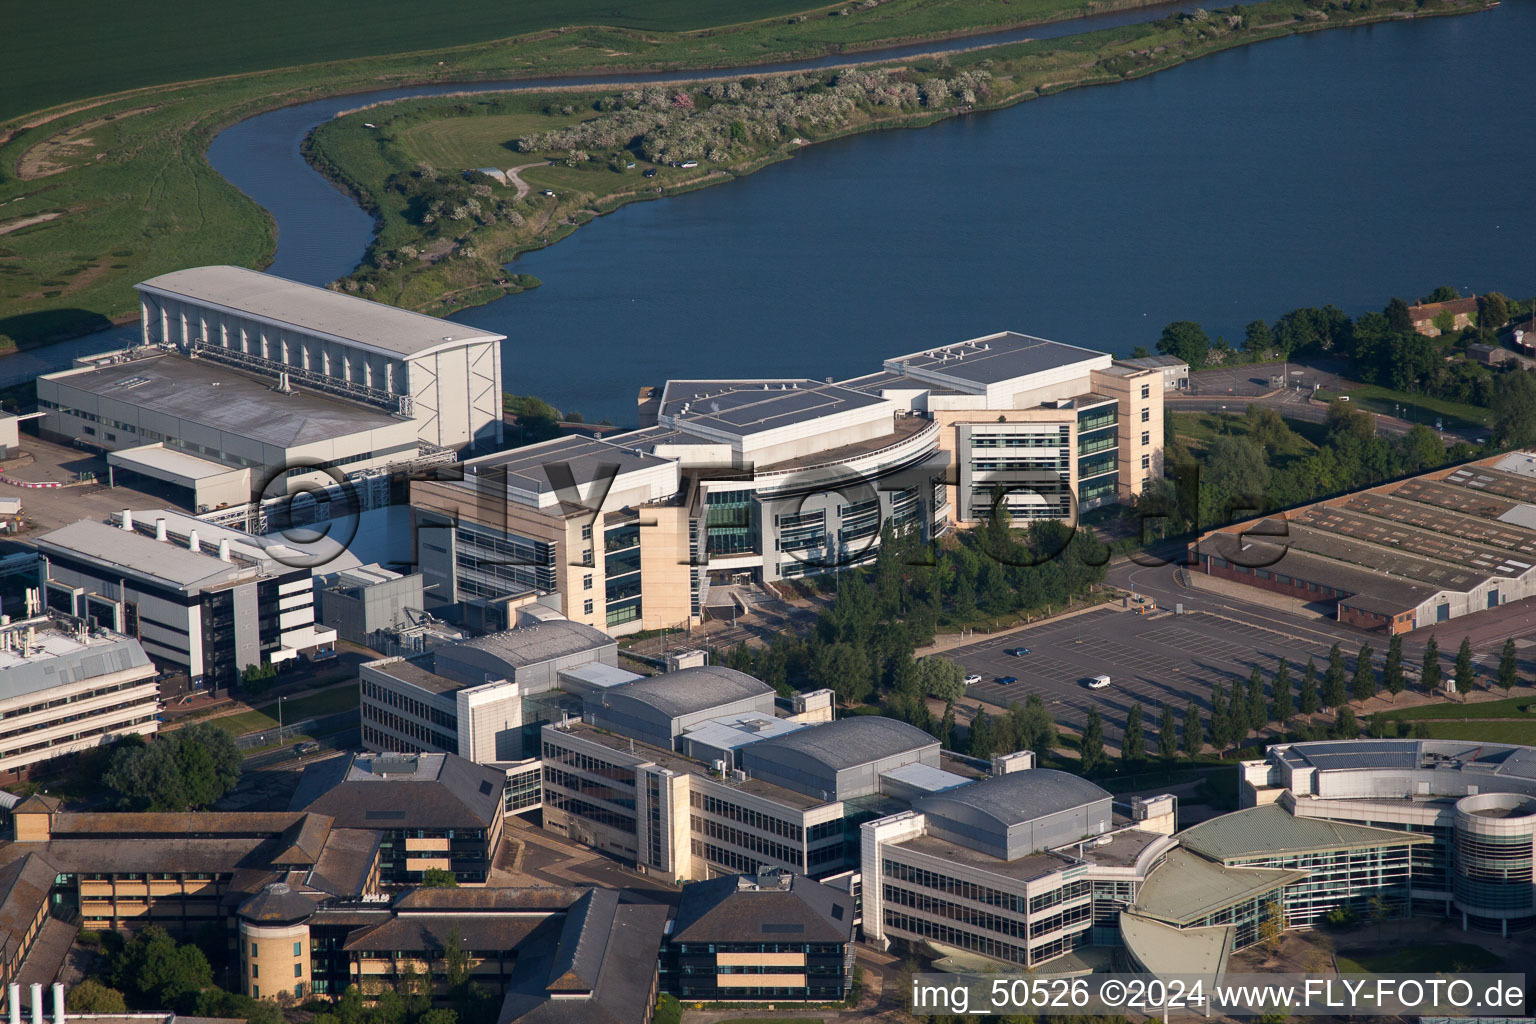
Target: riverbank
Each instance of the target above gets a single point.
(440, 267)
(128, 192)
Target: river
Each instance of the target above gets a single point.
(1343, 166)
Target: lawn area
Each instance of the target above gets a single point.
(1432, 959)
(340, 698)
(1523, 733)
(1510, 707)
(1415, 408)
(467, 142)
(1199, 429)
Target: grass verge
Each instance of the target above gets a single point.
(1436, 958)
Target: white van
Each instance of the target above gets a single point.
(1098, 683)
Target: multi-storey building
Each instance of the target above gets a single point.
(203, 600)
(66, 687)
(762, 937)
(433, 811)
(773, 479)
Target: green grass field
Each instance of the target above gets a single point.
(466, 142)
(1198, 429)
(1511, 707)
(1436, 958)
(1522, 733)
(327, 702)
(1417, 408)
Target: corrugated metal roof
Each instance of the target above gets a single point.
(315, 310)
(1275, 831)
(690, 690)
(1163, 949)
(847, 742)
(1017, 797)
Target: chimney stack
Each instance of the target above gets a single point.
(58, 1003)
(224, 549)
(160, 530)
(37, 1003)
(15, 1007)
(193, 544)
(128, 519)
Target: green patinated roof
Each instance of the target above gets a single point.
(1165, 950)
(1186, 887)
(1273, 831)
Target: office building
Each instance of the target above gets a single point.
(766, 480)
(66, 687)
(370, 604)
(433, 811)
(1396, 557)
(768, 936)
(204, 601)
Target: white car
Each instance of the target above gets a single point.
(1099, 683)
(972, 679)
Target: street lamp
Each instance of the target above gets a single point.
(280, 718)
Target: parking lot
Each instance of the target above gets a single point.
(1151, 660)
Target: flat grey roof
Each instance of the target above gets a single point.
(216, 396)
(530, 645)
(157, 458)
(143, 556)
(1023, 869)
(315, 310)
(1018, 797)
(1156, 362)
(1271, 830)
(58, 659)
(1372, 590)
(691, 690)
(848, 742)
(1186, 887)
(886, 380)
(994, 358)
(417, 671)
(741, 408)
(585, 459)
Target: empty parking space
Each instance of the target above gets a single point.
(1151, 660)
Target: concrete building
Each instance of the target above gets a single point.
(484, 699)
(1175, 371)
(246, 385)
(765, 480)
(772, 936)
(67, 687)
(1396, 557)
(444, 377)
(364, 603)
(433, 810)
(203, 600)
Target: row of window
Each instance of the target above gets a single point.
(777, 852)
(590, 788)
(407, 727)
(752, 819)
(421, 709)
(591, 765)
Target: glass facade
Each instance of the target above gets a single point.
(1342, 878)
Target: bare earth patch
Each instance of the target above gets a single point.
(7, 227)
(62, 151)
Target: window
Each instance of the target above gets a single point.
(298, 949)
(255, 992)
(1146, 415)
(586, 531)
(1146, 437)
(1146, 462)
(586, 582)
(255, 970)
(298, 991)
(586, 606)
(253, 949)
(298, 972)
(1146, 391)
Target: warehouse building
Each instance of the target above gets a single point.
(764, 480)
(244, 381)
(66, 686)
(203, 600)
(1396, 557)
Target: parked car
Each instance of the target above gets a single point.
(651, 173)
(1098, 683)
(688, 165)
(1018, 652)
(549, 192)
(1007, 680)
(972, 679)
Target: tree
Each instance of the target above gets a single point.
(1398, 317)
(947, 729)
(187, 769)
(155, 971)
(1508, 666)
(980, 740)
(1363, 686)
(1222, 732)
(1514, 409)
(439, 878)
(1345, 727)
(1333, 679)
(91, 996)
(1392, 675)
(1309, 701)
(1493, 312)
(1282, 705)
(1133, 746)
(1194, 730)
(1256, 713)
(1093, 742)
(1258, 339)
(1429, 673)
(1186, 340)
(455, 961)
(1036, 729)
(1167, 735)
(1466, 675)
(941, 678)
